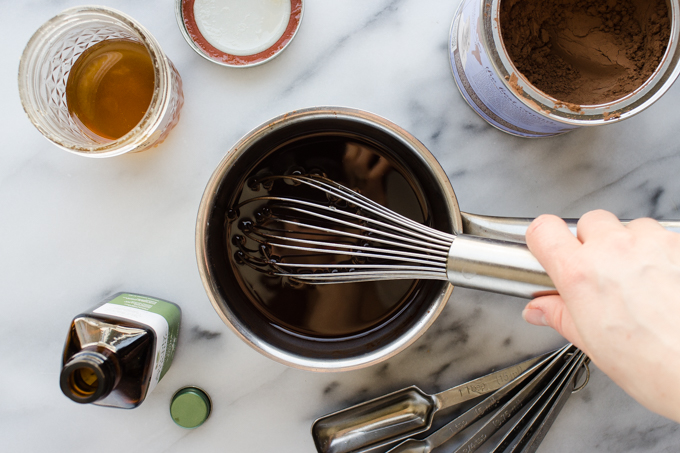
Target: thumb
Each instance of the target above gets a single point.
(552, 312)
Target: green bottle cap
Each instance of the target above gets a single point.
(190, 407)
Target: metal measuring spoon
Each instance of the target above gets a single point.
(541, 426)
(404, 413)
(498, 420)
(507, 395)
(538, 418)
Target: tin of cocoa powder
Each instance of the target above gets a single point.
(538, 68)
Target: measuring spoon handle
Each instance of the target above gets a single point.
(522, 429)
(544, 424)
(500, 396)
(485, 384)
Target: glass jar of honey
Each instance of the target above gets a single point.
(96, 83)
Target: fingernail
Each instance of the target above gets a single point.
(535, 317)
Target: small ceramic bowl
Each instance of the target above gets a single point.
(236, 33)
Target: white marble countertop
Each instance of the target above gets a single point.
(74, 230)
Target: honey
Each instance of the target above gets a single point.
(110, 87)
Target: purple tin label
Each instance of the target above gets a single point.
(482, 87)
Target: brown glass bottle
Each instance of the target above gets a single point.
(114, 360)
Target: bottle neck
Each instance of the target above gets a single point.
(89, 375)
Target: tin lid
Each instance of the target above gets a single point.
(237, 33)
(190, 407)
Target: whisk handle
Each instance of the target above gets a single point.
(497, 266)
(491, 256)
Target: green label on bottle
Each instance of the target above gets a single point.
(167, 343)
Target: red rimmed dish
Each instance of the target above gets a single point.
(239, 34)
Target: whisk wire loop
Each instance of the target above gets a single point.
(366, 242)
(334, 189)
(330, 247)
(366, 276)
(417, 245)
(416, 237)
(356, 198)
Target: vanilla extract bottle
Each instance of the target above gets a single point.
(116, 353)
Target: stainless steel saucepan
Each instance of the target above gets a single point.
(220, 279)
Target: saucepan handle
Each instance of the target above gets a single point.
(491, 256)
(514, 229)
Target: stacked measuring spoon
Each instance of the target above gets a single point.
(521, 401)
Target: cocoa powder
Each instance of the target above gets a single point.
(585, 52)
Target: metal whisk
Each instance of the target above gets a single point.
(351, 238)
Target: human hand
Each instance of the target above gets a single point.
(619, 300)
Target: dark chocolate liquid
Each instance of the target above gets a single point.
(325, 311)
